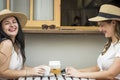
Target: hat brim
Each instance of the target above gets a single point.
(20, 16)
(99, 18)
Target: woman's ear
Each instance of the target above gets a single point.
(113, 22)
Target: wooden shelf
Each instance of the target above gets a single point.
(63, 30)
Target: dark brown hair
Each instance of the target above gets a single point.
(19, 39)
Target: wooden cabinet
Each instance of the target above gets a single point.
(54, 12)
(38, 11)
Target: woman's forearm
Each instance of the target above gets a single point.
(26, 71)
(90, 69)
(98, 75)
(11, 74)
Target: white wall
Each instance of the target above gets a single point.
(71, 50)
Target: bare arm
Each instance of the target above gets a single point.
(113, 71)
(90, 69)
(109, 74)
(5, 55)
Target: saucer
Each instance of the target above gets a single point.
(51, 74)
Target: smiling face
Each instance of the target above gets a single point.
(108, 28)
(10, 26)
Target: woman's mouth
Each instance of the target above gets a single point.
(12, 29)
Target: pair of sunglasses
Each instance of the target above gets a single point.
(44, 26)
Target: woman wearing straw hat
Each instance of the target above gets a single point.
(108, 63)
(12, 53)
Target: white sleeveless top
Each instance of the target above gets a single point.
(16, 62)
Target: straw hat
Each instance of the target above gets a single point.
(107, 12)
(20, 16)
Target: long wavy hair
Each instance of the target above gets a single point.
(19, 40)
(117, 34)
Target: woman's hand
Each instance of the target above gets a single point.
(36, 71)
(70, 71)
(39, 70)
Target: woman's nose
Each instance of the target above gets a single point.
(11, 24)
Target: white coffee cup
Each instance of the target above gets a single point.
(47, 70)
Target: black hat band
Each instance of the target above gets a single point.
(108, 15)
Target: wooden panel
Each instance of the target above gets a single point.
(8, 4)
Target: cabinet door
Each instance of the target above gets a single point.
(77, 12)
(21, 6)
(43, 10)
(2, 4)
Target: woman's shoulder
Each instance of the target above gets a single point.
(6, 47)
(5, 50)
(117, 45)
(6, 42)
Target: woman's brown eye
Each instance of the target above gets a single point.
(6, 23)
(14, 21)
